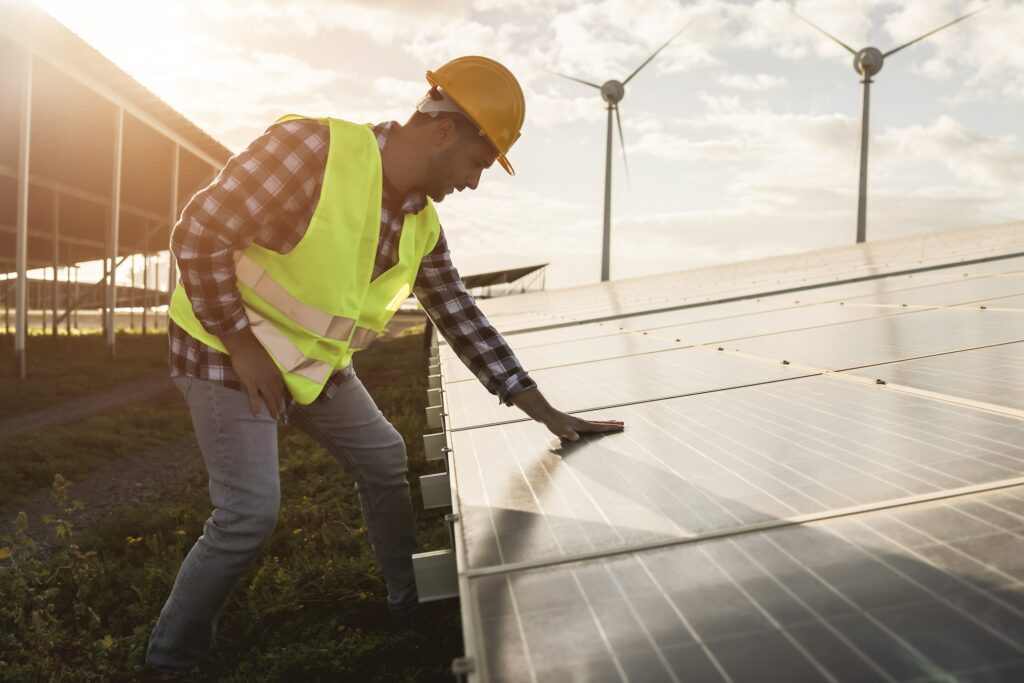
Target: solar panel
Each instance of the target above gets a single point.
(924, 592)
(821, 476)
(718, 461)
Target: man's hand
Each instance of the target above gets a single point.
(256, 371)
(561, 424)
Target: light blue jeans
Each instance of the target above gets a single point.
(240, 453)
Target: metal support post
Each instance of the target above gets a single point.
(606, 237)
(67, 284)
(115, 224)
(75, 309)
(862, 195)
(56, 255)
(131, 297)
(21, 241)
(145, 283)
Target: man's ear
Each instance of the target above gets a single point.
(445, 131)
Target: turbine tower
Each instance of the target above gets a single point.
(612, 93)
(867, 62)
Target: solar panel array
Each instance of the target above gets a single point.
(820, 478)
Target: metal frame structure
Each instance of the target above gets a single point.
(69, 98)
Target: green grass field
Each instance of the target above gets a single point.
(311, 609)
(65, 367)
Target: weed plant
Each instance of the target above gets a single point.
(312, 608)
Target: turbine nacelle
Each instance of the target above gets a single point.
(868, 61)
(613, 91)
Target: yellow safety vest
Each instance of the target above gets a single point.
(313, 307)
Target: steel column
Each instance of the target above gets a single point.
(115, 224)
(67, 292)
(131, 303)
(862, 195)
(21, 248)
(145, 285)
(606, 239)
(56, 256)
(172, 265)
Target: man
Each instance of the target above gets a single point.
(293, 259)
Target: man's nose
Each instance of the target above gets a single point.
(473, 181)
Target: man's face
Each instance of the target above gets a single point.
(457, 164)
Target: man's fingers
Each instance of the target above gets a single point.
(272, 401)
(254, 401)
(604, 426)
(571, 435)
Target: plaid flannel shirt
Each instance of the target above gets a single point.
(267, 195)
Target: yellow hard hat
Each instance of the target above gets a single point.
(489, 95)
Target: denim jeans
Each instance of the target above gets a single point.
(240, 453)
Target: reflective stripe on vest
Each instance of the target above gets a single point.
(362, 338)
(259, 281)
(286, 353)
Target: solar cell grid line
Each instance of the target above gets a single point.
(993, 375)
(1011, 303)
(958, 292)
(845, 599)
(564, 354)
(778, 464)
(617, 381)
(1013, 465)
(934, 427)
(875, 341)
(839, 290)
(813, 317)
(574, 334)
(849, 295)
(599, 312)
(742, 275)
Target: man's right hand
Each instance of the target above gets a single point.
(256, 371)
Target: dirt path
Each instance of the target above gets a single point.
(143, 477)
(132, 392)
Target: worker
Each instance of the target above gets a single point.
(294, 258)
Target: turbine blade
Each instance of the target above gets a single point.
(572, 78)
(955, 21)
(821, 30)
(622, 141)
(648, 60)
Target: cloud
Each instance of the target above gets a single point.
(974, 158)
(751, 82)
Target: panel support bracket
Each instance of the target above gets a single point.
(436, 491)
(437, 577)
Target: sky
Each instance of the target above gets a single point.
(742, 136)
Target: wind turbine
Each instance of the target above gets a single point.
(868, 62)
(612, 92)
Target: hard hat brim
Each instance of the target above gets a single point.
(502, 159)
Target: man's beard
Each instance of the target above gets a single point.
(439, 168)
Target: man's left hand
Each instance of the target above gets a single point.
(561, 424)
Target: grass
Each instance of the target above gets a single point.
(66, 367)
(30, 460)
(311, 609)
